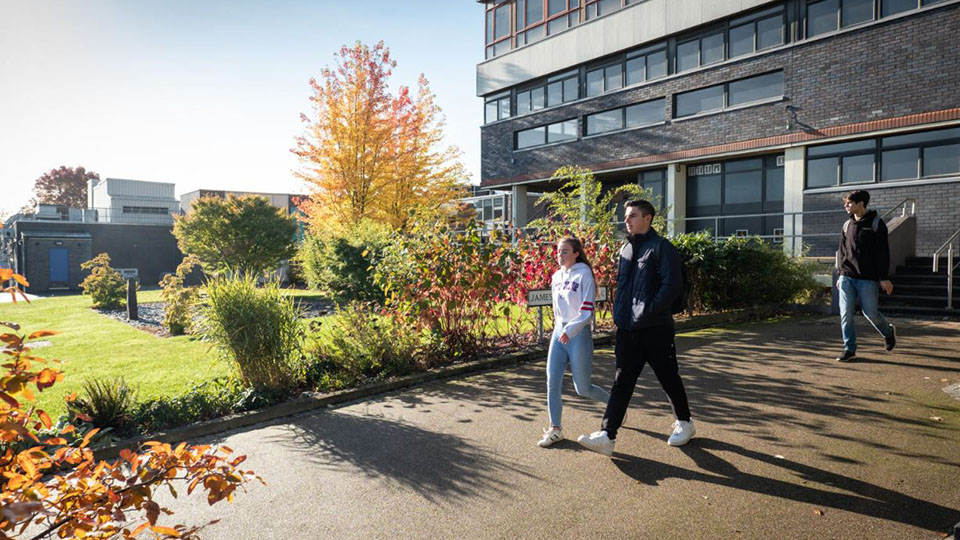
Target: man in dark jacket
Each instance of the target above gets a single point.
(863, 265)
(649, 280)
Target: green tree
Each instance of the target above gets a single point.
(241, 235)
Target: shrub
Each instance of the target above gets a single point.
(105, 404)
(178, 299)
(104, 284)
(358, 344)
(342, 265)
(740, 272)
(209, 399)
(258, 328)
(447, 283)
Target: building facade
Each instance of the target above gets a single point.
(115, 200)
(747, 117)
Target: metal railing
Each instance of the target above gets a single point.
(129, 215)
(948, 245)
(902, 204)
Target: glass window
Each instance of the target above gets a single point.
(822, 172)
(856, 11)
(635, 70)
(711, 49)
(605, 121)
(556, 6)
(856, 169)
(742, 165)
(562, 131)
(489, 25)
(556, 25)
(570, 89)
(536, 99)
(502, 24)
(490, 112)
(899, 164)
(774, 182)
(743, 187)
(890, 7)
(697, 101)
(770, 32)
(607, 6)
(504, 106)
(703, 190)
(656, 64)
(613, 77)
(595, 82)
(941, 159)
(922, 137)
(642, 114)
(841, 148)
(521, 9)
(531, 137)
(755, 88)
(688, 55)
(534, 12)
(523, 102)
(741, 40)
(554, 93)
(821, 17)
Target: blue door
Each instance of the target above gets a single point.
(59, 268)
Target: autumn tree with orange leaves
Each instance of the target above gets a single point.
(50, 486)
(368, 153)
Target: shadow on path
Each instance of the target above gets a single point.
(860, 497)
(438, 466)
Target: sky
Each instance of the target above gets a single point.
(207, 94)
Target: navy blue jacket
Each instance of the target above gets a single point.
(646, 288)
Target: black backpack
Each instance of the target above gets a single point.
(680, 304)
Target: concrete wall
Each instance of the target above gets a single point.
(889, 69)
(631, 26)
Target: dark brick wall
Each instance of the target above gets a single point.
(890, 69)
(151, 249)
(938, 213)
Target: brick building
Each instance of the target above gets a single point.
(745, 116)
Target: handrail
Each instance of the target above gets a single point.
(903, 203)
(948, 245)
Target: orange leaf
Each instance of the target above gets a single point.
(42, 333)
(166, 530)
(21, 280)
(45, 418)
(6, 273)
(86, 439)
(139, 530)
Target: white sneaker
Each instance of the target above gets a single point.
(550, 436)
(682, 433)
(598, 442)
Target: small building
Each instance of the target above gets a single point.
(285, 201)
(116, 200)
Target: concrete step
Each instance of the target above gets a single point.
(920, 289)
(918, 312)
(913, 300)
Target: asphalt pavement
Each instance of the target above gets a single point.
(790, 444)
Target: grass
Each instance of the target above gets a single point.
(94, 346)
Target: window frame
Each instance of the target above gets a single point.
(498, 99)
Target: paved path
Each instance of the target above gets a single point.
(790, 445)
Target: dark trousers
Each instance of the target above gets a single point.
(634, 349)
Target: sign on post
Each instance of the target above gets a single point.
(544, 297)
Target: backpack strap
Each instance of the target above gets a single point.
(876, 223)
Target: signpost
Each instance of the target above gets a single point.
(544, 297)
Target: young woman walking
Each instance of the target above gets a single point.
(574, 291)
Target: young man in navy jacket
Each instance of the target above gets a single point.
(649, 280)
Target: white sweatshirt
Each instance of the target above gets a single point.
(573, 296)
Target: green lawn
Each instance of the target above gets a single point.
(93, 346)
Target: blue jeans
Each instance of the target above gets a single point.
(578, 352)
(867, 291)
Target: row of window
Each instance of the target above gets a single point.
(754, 89)
(515, 23)
(145, 210)
(735, 37)
(898, 157)
(829, 15)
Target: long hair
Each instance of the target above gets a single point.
(576, 245)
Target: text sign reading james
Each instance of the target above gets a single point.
(543, 297)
